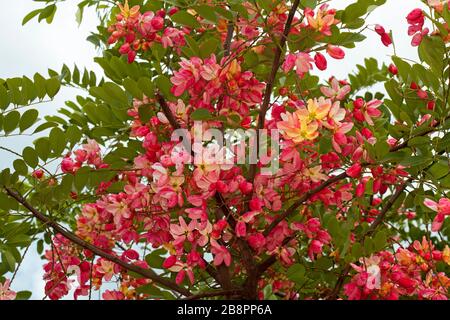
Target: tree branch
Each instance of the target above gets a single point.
(291, 210)
(270, 82)
(229, 38)
(387, 206)
(147, 273)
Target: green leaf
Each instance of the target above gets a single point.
(52, 87)
(444, 143)
(9, 260)
(308, 3)
(208, 47)
(164, 84)
(147, 87)
(439, 169)
(30, 156)
(57, 140)
(4, 98)
(415, 161)
(47, 13)
(42, 147)
(28, 119)
(155, 259)
(380, 240)
(206, 12)
(431, 51)
(151, 290)
(296, 273)
(23, 295)
(20, 167)
(132, 87)
(30, 16)
(404, 69)
(184, 18)
(201, 115)
(11, 121)
(357, 251)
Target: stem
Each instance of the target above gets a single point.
(147, 273)
(270, 82)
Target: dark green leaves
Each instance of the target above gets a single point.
(11, 121)
(4, 98)
(184, 18)
(296, 273)
(28, 119)
(30, 156)
(201, 115)
(359, 9)
(57, 140)
(431, 51)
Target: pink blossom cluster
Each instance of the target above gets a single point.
(410, 272)
(140, 30)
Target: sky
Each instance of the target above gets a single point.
(36, 47)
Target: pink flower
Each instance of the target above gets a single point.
(67, 165)
(368, 111)
(323, 20)
(221, 254)
(393, 69)
(241, 229)
(113, 295)
(170, 262)
(336, 91)
(301, 61)
(38, 174)
(182, 231)
(5, 292)
(320, 61)
(256, 241)
(354, 171)
(417, 38)
(442, 208)
(335, 52)
(416, 17)
(385, 37)
(314, 248)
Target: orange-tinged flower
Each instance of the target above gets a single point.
(323, 20)
(316, 109)
(296, 129)
(128, 13)
(446, 255)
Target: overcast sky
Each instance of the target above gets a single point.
(36, 47)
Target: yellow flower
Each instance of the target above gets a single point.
(306, 131)
(316, 109)
(298, 129)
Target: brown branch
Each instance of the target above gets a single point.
(424, 133)
(147, 273)
(167, 112)
(229, 38)
(223, 275)
(291, 210)
(271, 80)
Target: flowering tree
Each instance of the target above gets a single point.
(344, 193)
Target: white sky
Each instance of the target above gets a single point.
(36, 47)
